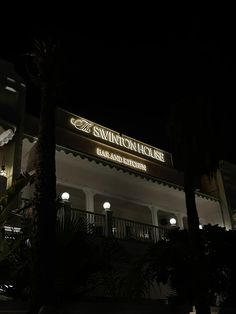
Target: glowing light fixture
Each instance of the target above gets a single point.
(106, 205)
(12, 229)
(172, 221)
(200, 227)
(5, 136)
(3, 172)
(10, 89)
(65, 196)
(10, 79)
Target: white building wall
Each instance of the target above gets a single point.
(142, 198)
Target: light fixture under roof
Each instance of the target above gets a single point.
(65, 196)
(3, 172)
(106, 205)
(172, 221)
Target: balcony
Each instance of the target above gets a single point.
(111, 226)
(105, 225)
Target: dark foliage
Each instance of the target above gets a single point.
(172, 259)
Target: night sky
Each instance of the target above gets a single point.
(129, 84)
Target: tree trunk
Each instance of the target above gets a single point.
(192, 214)
(45, 205)
(200, 283)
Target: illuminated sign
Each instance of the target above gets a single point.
(110, 136)
(120, 159)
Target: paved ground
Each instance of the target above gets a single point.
(105, 307)
(94, 307)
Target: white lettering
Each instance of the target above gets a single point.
(133, 146)
(82, 124)
(113, 137)
(95, 131)
(122, 160)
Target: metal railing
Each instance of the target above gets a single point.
(90, 222)
(108, 225)
(129, 229)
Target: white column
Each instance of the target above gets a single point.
(154, 211)
(89, 196)
(227, 221)
(179, 217)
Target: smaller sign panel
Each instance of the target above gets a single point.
(118, 158)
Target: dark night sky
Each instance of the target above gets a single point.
(129, 84)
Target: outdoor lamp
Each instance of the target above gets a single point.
(106, 205)
(65, 196)
(172, 221)
(3, 172)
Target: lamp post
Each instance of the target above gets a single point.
(108, 219)
(65, 196)
(106, 206)
(173, 221)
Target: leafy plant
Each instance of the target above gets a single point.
(170, 261)
(13, 246)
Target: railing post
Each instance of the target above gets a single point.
(108, 223)
(67, 212)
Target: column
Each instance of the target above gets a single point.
(154, 211)
(108, 223)
(179, 217)
(67, 213)
(89, 196)
(90, 218)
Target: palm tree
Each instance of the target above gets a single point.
(192, 133)
(45, 75)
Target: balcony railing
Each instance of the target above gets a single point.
(108, 225)
(89, 222)
(128, 229)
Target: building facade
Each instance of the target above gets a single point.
(96, 165)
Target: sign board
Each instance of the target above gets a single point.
(87, 137)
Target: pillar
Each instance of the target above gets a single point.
(154, 211)
(89, 201)
(179, 217)
(156, 230)
(108, 223)
(89, 195)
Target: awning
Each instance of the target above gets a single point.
(6, 135)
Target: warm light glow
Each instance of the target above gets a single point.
(3, 172)
(115, 138)
(65, 196)
(10, 79)
(10, 89)
(122, 160)
(106, 205)
(172, 221)
(6, 136)
(12, 229)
